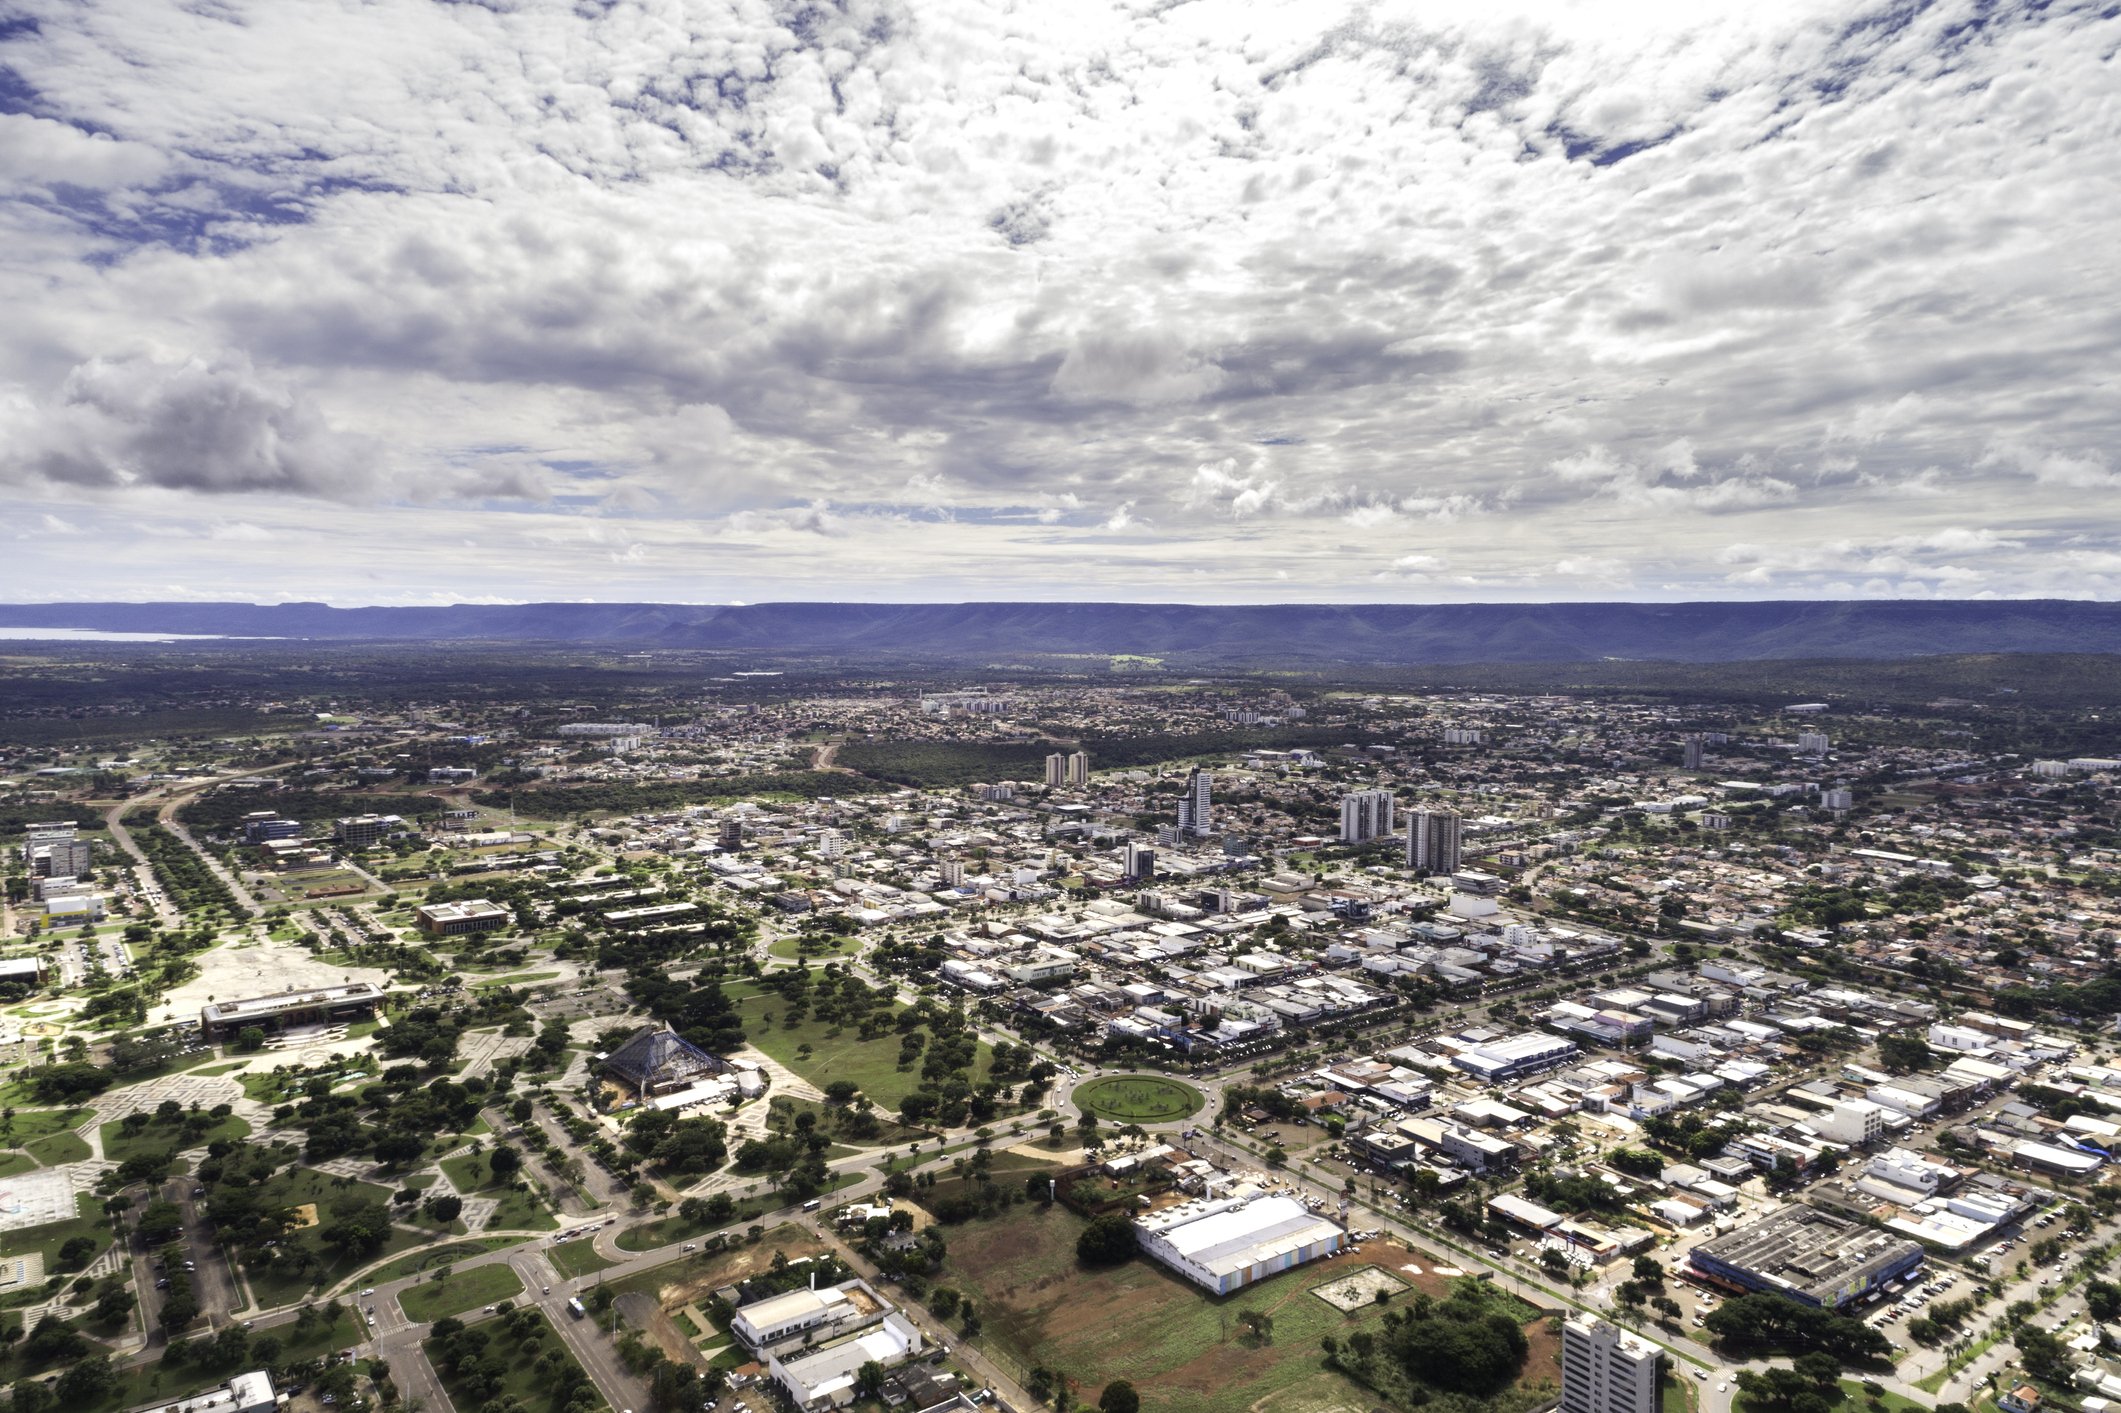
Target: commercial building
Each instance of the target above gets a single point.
(777, 1317)
(245, 1393)
(356, 1000)
(1365, 815)
(1604, 1369)
(827, 1377)
(1500, 1061)
(263, 826)
(1433, 841)
(1808, 1255)
(1852, 1121)
(358, 831)
(1195, 808)
(661, 1061)
(1228, 1243)
(461, 918)
(63, 858)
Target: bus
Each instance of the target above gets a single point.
(574, 1307)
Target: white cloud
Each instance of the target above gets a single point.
(1269, 288)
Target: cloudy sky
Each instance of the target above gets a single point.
(405, 301)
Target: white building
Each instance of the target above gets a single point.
(1365, 815)
(1229, 1243)
(1433, 841)
(1852, 1121)
(1605, 1370)
(775, 1318)
(825, 1377)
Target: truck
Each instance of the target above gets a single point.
(575, 1308)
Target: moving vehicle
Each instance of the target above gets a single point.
(575, 1307)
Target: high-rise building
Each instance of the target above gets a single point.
(68, 858)
(831, 843)
(729, 833)
(1692, 750)
(1604, 1369)
(952, 872)
(1365, 815)
(1140, 861)
(1079, 768)
(1812, 743)
(1840, 797)
(1462, 736)
(1433, 841)
(1195, 810)
(1056, 771)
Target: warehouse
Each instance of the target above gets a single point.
(1228, 1243)
(1807, 1255)
(1500, 1061)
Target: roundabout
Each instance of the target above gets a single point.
(1138, 1098)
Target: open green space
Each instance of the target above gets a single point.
(58, 1148)
(13, 1163)
(28, 1125)
(1184, 1352)
(165, 1137)
(836, 1051)
(577, 1258)
(413, 1263)
(460, 1291)
(1853, 1400)
(803, 948)
(88, 1221)
(302, 1261)
(534, 1371)
(1139, 1098)
(520, 1209)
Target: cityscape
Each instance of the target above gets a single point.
(637, 1033)
(1101, 706)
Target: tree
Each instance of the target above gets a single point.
(249, 1040)
(86, 1381)
(1107, 1241)
(869, 1379)
(77, 1251)
(1119, 1397)
(503, 1162)
(445, 1207)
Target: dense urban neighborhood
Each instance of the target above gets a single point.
(776, 1039)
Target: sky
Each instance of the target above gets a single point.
(410, 301)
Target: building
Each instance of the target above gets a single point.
(729, 833)
(1604, 1369)
(1433, 841)
(1693, 751)
(1228, 1243)
(245, 1393)
(778, 1317)
(62, 858)
(1071, 769)
(356, 1000)
(1140, 862)
(263, 826)
(1365, 815)
(1853, 1121)
(827, 1377)
(461, 918)
(1195, 809)
(1462, 736)
(661, 1061)
(1812, 743)
(71, 908)
(359, 831)
(29, 969)
(1810, 1256)
(1501, 1061)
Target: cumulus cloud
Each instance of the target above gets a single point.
(1270, 289)
(217, 428)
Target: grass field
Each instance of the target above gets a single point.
(1139, 1098)
(530, 1386)
(577, 1257)
(872, 1064)
(1180, 1348)
(519, 1211)
(1853, 1400)
(88, 1221)
(428, 1258)
(12, 1163)
(280, 1284)
(462, 1291)
(32, 1124)
(792, 949)
(162, 1137)
(58, 1148)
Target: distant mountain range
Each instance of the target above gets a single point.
(1298, 634)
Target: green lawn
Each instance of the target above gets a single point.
(165, 1137)
(1853, 1400)
(32, 1124)
(12, 1163)
(285, 1281)
(532, 1388)
(1182, 1351)
(427, 1258)
(88, 1221)
(577, 1257)
(871, 1064)
(791, 949)
(1139, 1098)
(463, 1290)
(519, 1211)
(60, 1148)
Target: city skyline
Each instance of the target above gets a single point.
(1203, 303)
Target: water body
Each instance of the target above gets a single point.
(98, 635)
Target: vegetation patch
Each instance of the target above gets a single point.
(1139, 1098)
(460, 1291)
